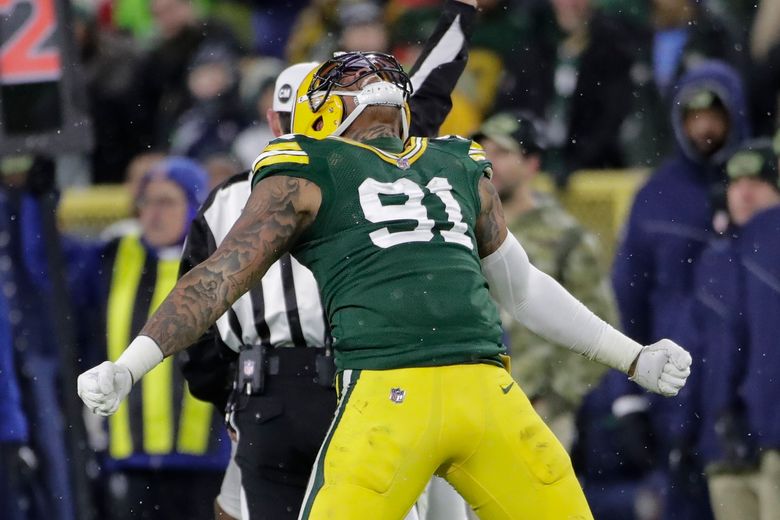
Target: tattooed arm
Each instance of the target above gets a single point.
(491, 227)
(277, 211)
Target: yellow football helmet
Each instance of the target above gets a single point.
(318, 110)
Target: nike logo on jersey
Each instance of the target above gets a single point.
(507, 388)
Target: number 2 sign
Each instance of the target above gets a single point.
(27, 54)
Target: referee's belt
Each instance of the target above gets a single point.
(256, 361)
(292, 361)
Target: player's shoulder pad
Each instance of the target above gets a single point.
(464, 146)
(451, 139)
(284, 149)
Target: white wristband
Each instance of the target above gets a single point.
(142, 355)
(615, 349)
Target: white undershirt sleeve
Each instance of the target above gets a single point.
(540, 303)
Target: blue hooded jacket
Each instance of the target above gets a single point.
(759, 248)
(711, 415)
(670, 221)
(653, 273)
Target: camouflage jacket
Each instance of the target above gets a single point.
(559, 246)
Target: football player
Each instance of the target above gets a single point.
(407, 241)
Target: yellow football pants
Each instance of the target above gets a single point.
(470, 424)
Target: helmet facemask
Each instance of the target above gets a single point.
(347, 69)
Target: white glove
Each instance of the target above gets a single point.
(103, 387)
(662, 368)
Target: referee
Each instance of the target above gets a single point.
(282, 411)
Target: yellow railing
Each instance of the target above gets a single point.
(599, 199)
(86, 211)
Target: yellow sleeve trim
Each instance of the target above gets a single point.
(290, 146)
(282, 158)
(476, 152)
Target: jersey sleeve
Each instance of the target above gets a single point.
(477, 159)
(477, 154)
(282, 156)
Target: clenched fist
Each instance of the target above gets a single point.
(662, 368)
(103, 387)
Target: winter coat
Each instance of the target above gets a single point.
(711, 417)
(670, 221)
(759, 248)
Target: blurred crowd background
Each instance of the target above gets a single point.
(599, 116)
(193, 79)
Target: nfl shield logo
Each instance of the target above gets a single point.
(402, 163)
(249, 368)
(397, 395)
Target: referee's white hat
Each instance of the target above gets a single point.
(287, 84)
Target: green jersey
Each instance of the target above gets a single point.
(393, 247)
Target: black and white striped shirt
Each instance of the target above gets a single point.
(285, 309)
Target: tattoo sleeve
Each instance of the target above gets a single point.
(491, 226)
(277, 211)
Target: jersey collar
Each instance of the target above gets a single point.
(415, 147)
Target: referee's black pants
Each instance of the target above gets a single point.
(279, 435)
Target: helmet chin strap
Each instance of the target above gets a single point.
(381, 93)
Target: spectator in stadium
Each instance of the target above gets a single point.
(680, 35)
(672, 214)
(109, 65)
(727, 332)
(684, 34)
(670, 223)
(276, 463)
(162, 80)
(553, 378)
(166, 450)
(216, 116)
(577, 79)
(754, 203)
